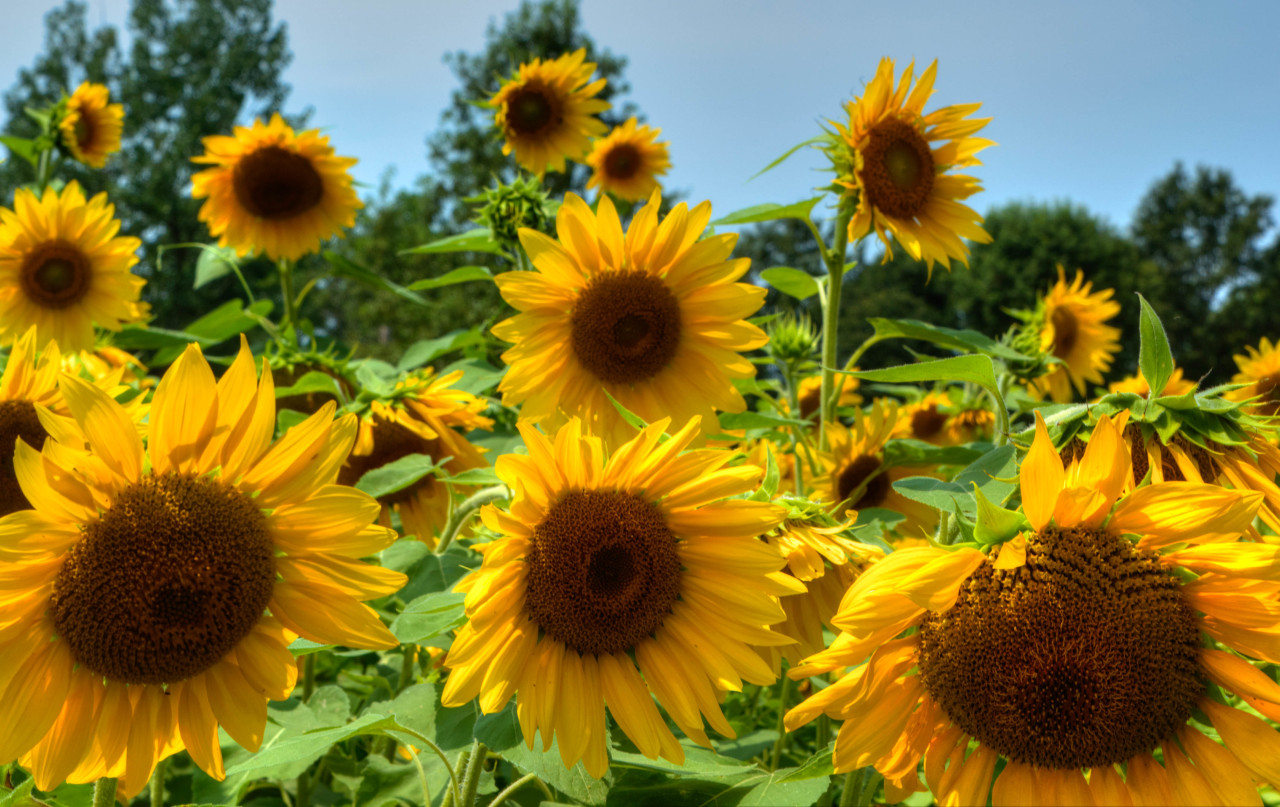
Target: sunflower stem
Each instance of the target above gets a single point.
(43, 169)
(303, 797)
(458, 519)
(793, 404)
(285, 267)
(852, 788)
(783, 692)
(308, 676)
(104, 792)
(475, 766)
(406, 667)
(831, 323)
(519, 783)
(157, 784)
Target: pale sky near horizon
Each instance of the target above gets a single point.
(1091, 101)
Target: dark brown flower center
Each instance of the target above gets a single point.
(927, 422)
(391, 441)
(1085, 656)
(625, 327)
(810, 402)
(622, 162)
(603, 571)
(17, 420)
(854, 474)
(56, 274)
(275, 183)
(530, 111)
(166, 582)
(1066, 329)
(897, 169)
(84, 131)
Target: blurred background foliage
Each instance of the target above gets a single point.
(1198, 247)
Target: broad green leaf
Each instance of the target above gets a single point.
(730, 421)
(462, 274)
(344, 267)
(20, 796)
(227, 320)
(328, 707)
(427, 571)
(214, 262)
(1154, 358)
(478, 376)
(813, 141)
(918, 452)
(373, 378)
(305, 647)
(311, 746)
(286, 419)
(397, 475)
(771, 475)
(965, 340)
(139, 337)
(429, 616)
(792, 282)
(995, 473)
(769, 212)
(474, 476)
(501, 732)
(26, 149)
(976, 369)
(428, 350)
(477, 240)
(993, 523)
(313, 381)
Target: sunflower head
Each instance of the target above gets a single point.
(897, 160)
(1137, 384)
(91, 126)
(274, 191)
(547, 111)
(809, 393)
(1070, 320)
(628, 162)
(1260, 373)
(64, 269)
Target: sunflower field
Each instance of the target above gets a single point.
(637, 539)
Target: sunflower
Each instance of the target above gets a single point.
(422, 417)
(62, 268)
(629, 161)
(1071, 330)
(274, 191)
(108, 363)
(935, 419)
(1137, 384)
(1260, 371)
(899, 162)
(606, 559)
(91, 127)
(809, 394)
(653, 318)
(27, 381)
(1074, 652)
(854, 472)
(546, 111)
(218, 548)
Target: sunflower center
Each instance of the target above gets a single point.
(622, 161)
(603, 571)
(275, 183)
(927, 422)
(854, 474)
(1085, 656)
(625, 327)
(810, 402)
(529, 111)
(897, 169)
(84, 131)
(166, 582)
(391, 441)
(55, 275)
(1066, 329)
(17, 419)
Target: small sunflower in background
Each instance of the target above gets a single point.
(1137, 384)
(1260, 372)
(628, 162)
(1071, 319)
(218, 547)
(91, 126)
(1076, 651)
(547, 111)
(28, 380)
(654, 318)
(63, 268)
(619, 577)
(424, 415)
(809, 393)
(274, 191)
(107, 362)
(898, 159)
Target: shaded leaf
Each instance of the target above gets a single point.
(769, 212)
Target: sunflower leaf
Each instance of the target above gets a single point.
(813, 141)
(214, 262)
(429, 616)
(769, 211)
(975, 369)
(397, 475)
(791, 282)
(26, 149)
(1154, 357)
(730, 421)
(478, 240)
(964, 340)
(627, 415)
(462, 274)
(769, 485)
(995, 524)
(344, 267)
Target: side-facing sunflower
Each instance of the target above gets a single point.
(1137, 384)
(612, 562)
(1071, 320)
(63, 268)
(898, 162)
(936, 419)
(1260, 370)
(547, 111)
(152, 593)
(629, 161)
(91, 126)
(27, 381)
(422, 416)
(1076, 651)
(653, 318)
(809, 394)
(274, 191)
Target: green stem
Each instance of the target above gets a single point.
(1002, 412)
(308, 676)
(104, 792)
(406, 667)
(831, 323)
(157, 784)
(462, 512)
(285, 267)
(422, 775)
(475, 766)
(782, 728)
(793, 404)
(44, 167)
(454, 797)
(870, 783)
(852, 788)
(303, 799)
(824, 731)
(519, 783)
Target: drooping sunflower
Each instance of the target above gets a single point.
(423, 416)
(217, 547)
(653, 318)
(629, 161)
(606, 558)
(63, 268)
(1075, 651)
(1260, 370)
(899, 163)
(547, 111)
(274, 191)
(1137, 384)
(1071, 321)
(92, 126)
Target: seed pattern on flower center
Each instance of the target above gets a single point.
(603, 572)
(391, 441)
(84, 131)
(622, 162)
(529, 111)
(275, 183)
(853, 475)
(927, 422)
(17, 419)
(1085, 656)
(55, 275)
(1066, 330)
(897, 169)
(166, 582)
(625, 327)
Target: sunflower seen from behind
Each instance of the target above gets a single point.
(64, 268)
(619, 577)
(653, 317)
(628, 162)
(547, 111)
(1077, 651)
(1072, 320)
(274, 191)
(91, 126)
(156, 590)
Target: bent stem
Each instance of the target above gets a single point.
(831, 322)
(458, 518)
(519, 783)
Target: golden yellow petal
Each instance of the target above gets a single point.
(1041, 477)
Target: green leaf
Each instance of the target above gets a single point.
(918, 452)
(427, 571)
(771, 475)
(328, 707)
(313, 381)
(214, 262)
(730, 421)
(429, 616)
(140, 337)
(286, 419)
(342, 267)
(792, 282)
(477, 240)
(813, 141)
(20, 146)
(973, 369)
(769, 212)
(312, 745)
(627, 415)
(369, 377)
(501, 732)
(995, 473)
(994, 523)
(428, 350)
(462, 274)
(20, 796)
(227, 320)
(474, 476)
(397, 475)
(1154, 358)
(478, 375)
(964, 340)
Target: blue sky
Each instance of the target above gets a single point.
(1091, 101)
